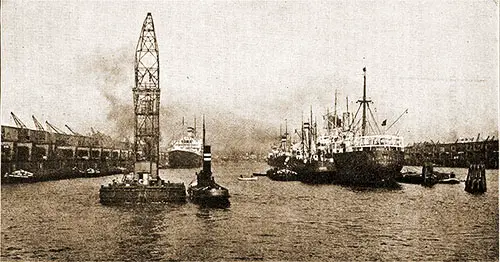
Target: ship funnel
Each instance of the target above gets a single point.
(207, 160)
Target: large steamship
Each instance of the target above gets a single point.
(362, 158)
(186, 152)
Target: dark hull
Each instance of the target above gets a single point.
(277, 161)
(318, 172)
(16, 180)
(410, 178)
(184, 159)
(209, 196)
(294, 169)
(368, 167)
(277, 174)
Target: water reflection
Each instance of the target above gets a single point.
(216, 204)
(140, 231)
(386, 187)
(267, 220)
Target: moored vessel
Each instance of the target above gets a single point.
(366, 159)
(300, 161)
(186, 152)
(18, 176)
(369, 160)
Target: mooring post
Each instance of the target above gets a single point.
(476, 179)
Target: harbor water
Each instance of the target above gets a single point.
(267, 220)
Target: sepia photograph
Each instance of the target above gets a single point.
(339, 130)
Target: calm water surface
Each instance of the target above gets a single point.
(268, 220)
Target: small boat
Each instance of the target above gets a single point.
(451, 180)
(18, 176)
(21, 174)
(259, 174)
(247, 178)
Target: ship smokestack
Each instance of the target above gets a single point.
(207, 160)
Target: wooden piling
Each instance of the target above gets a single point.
(476, 179)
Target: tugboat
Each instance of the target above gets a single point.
(144, 185)
(278, 155)
(203, 190)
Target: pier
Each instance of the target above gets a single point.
(461, 153)
(50, 155)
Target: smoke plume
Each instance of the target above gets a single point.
(228, 133)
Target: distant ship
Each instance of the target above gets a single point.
(186, 152)
(365, 159)
(278, 155)
(300, 160)
(345, 154)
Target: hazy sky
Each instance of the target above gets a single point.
(72, 62)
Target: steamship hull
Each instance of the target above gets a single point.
(368, 167)
(184, 159)
(209, 195)
(277, 161)
(312, 171)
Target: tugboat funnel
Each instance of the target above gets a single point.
(207, 160)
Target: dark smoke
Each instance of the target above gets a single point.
(228, 133)
(115, 78)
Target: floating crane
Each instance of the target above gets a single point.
(144, 185)
(147, 99)
(38, 126)
(18, 121)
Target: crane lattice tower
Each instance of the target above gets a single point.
(147, 100)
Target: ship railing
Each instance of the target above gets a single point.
(378, 141)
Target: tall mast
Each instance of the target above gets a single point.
(203, 131)
(310, 130)
(147, 98)
(286, 134)
(328, 120)
(347, 121)
(302, 137)
(347, 103)
(364, 102)
(335, 110)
